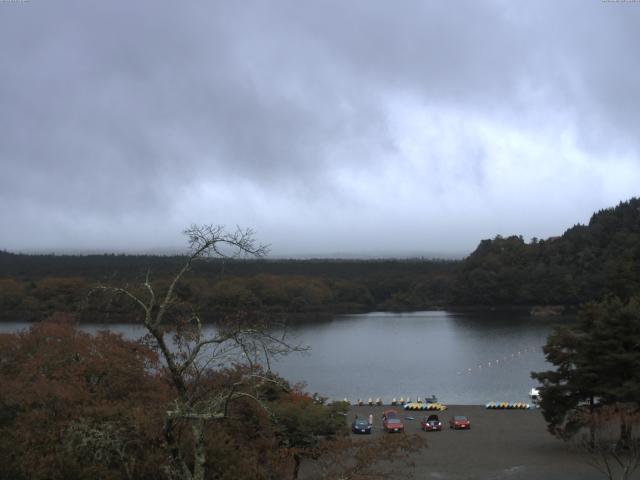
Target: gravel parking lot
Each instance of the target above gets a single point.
(501, 444)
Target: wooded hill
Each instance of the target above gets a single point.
(587, 262)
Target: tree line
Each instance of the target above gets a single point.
(588, 262)
(30, 288)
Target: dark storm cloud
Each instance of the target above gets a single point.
(320, 123)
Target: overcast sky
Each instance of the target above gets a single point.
(330, 127)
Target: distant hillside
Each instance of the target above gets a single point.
(33, 286)
(587, 262)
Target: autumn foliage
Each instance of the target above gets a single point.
(79, 406)
(75, 405)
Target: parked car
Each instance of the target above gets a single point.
(390, 413)
(360, 425)
(391, 421)
(431, 424)
(460, 422)
(391, 424)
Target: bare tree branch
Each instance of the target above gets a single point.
(191, 357)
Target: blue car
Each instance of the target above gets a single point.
(360, 425)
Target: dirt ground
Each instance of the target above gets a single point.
(501, 444)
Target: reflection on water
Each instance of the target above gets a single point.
(462, 358)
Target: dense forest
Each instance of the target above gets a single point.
(31, 286)
(587, 262)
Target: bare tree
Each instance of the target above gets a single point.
(611, 447)
(192, 355)
(612, 462)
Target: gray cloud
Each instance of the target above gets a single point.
(329, 126)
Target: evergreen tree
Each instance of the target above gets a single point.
(597, 364)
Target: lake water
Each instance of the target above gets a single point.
(462, 358)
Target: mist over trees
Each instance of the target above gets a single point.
(588, 262)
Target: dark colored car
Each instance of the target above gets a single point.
(360, 425)
(431, 424)
(391, 421)
(460, 422)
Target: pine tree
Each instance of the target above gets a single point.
(597, 364)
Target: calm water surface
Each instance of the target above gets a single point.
(462, 358)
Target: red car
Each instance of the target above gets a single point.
(460, 422)
(431, 424)
(391, 422)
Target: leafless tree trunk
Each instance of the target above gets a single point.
(197, 352)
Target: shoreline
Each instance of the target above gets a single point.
(213, 317)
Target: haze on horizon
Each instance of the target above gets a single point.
(331, 127)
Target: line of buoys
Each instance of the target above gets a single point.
(425, 406)
(508, 405)
(496, 362)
